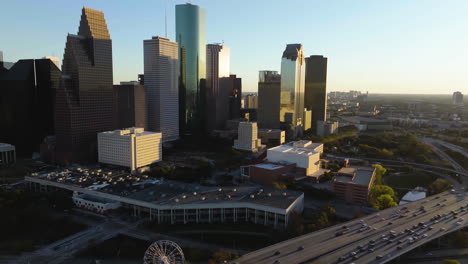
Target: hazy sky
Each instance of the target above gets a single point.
(397, 46)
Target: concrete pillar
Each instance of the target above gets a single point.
(222, 215)
(159, 216)
(286, 218)
(134, 211)
(255, 219)
(151, 214)
(266, 218)
(235, 215)
(185, 220)
(172, 216)
(197, 212)
(209, 215)
(276, 220)
(246, 214)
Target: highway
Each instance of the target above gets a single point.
(376, 238)
(443, 155)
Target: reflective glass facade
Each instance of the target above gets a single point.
(269, 87)
(190, 35)
(292, 88)
(316, 88)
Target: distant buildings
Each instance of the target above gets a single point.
(315, 95)
(218, 86)
(457, 98)
(272, 136)
(190, 35)
(235, 98)
(55, 60)
(269, 93)
(366, 123)
(130, 101)
(7, 154)
(132, 148)
(85, 101)
(247, 138)
(161, 83)
(326, 128)
(353, 184)
(27, 98)
(292, 90)
(250, 101)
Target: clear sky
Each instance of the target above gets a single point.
(380, 46)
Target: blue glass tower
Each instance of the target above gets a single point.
(190, 35)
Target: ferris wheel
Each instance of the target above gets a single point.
(164, 252)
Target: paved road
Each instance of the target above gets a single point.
(373, 233)
(451, 146)
(443, 155)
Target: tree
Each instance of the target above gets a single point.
(220, 256)
(438, 186)
(296, 224)
(279, 185)
(379, 173)
(460, 239)
(451, 261)
(382, 197)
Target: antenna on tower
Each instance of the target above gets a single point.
(165, 17)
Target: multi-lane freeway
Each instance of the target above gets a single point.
(377, 238)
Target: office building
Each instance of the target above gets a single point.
(235, 98)
(190, 35)
(269, 93)
(7, 154)
(457, 98)
(326, 128)
(307, 120)
(27, 97)
(315, 94)
(218, 86)
(55, 60)
(250, 101)
(130, 99)
(272, 136)
(247, 137)
(292, 90)
(85, 101)
(305, 154)
(161, 84)
(132, 148)
(353, 184)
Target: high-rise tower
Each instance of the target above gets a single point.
(292, 89)
(190, 35)
(84, 102)
(161, 84)
(269, 90)
(315, 97)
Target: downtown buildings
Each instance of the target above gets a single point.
(457, 98)
(190, 35)
(161, 84)
(315, 94)
(269, 93)
(85, 102)
(292, 90)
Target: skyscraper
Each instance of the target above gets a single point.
(84, 101)
(190, 35)
(315, 95)
(292, 90)
(27, 93)
(161, 84)
(269, 90)
(236, 97)
(218, 86)
(130, 98)
(457, 98)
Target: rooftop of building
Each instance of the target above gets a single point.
(357, 175)
(362, 119)
(166, 192)
(270, 130)
(137, 131)
(301, 147)
(268, 166)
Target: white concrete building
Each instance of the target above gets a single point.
(247, 137)
(94, 203)
(7, 154)
(132, 147)
(304, 154)
(161, 62)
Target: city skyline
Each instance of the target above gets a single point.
(354, 36)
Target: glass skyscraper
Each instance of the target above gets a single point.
(190, 35)
(316, 88)
(292, 89)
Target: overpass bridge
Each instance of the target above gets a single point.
(375, 239)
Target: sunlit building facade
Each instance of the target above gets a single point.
(190, 35)
(292, 90)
